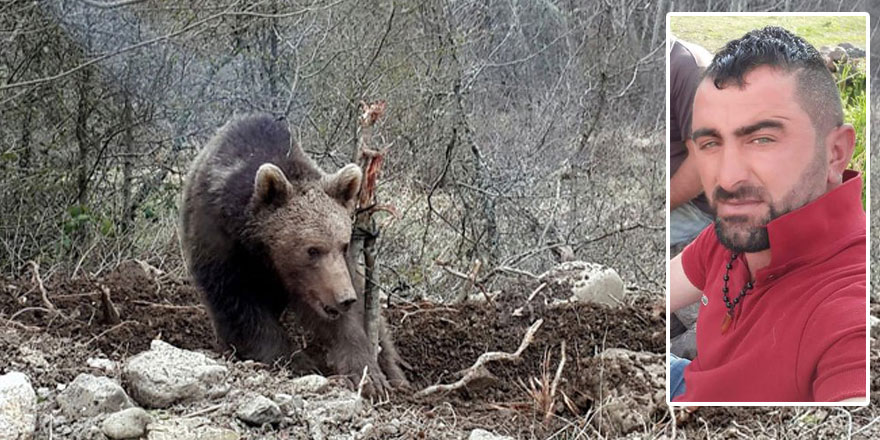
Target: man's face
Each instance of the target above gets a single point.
(757, 154)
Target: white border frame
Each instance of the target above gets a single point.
(865, 177)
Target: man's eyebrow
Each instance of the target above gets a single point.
(698, 133)
(749, 129)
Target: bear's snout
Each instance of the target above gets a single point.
(341, 307)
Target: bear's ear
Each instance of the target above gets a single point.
(344, 185)
(271, 188)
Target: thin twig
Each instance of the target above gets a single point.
(167, 306)
(115, 327)
(362, 382)
(535, 292)
(555, 385)
(204, 411)
(472, 372)
(43, 293)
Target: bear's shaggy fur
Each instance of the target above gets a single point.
(263, 229)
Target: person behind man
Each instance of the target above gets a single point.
(781, 277)
(689, 209)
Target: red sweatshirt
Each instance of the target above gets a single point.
(799, 334)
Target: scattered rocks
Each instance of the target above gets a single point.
(589, 282)
(334, 409)
(259, 411)
(88, 396)
(482, 434)
(17, 407)
(166, 374)
(126, 424)
(188, 428)
(311, 384)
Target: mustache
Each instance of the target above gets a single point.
(741, 193)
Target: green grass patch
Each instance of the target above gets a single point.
(713, 32)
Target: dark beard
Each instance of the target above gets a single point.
(757, 238)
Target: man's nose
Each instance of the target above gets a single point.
(733, 168)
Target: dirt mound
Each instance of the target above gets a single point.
(438, 341)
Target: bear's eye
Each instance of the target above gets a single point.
(344, 248)
(314, 252)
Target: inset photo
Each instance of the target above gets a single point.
(767, 274)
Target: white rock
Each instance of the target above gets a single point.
(125, 424)
(88, 396)
(189, 428)
(589, 282)
(311, 384)
(166, 374)
(44, 392)
(18, 403)
(259, 411)
(482, 434)
(105, 365)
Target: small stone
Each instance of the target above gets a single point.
(189, 428)
(125, 424)
(44, 393)
(344, 407)
(311, 384)
(18, 417)
(165, 375)
(290, 405)
(482, 434)
(88, 396)
(259, 411)
(838, 54)
(105, 365)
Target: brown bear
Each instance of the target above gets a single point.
(263, 229)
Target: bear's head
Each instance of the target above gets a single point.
(304, 228)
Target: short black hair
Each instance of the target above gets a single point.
(776, 47)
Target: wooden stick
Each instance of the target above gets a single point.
(39, 281)
(554, 386)
(111, 315)
(474, 371)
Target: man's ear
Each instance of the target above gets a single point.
(840, 143)
(344, 185)
(271, 187)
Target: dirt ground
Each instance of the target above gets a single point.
(437, 341)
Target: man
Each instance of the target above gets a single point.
(781, 276)
(690, 212)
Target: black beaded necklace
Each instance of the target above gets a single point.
(728, 317)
